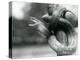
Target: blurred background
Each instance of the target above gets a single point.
(26, 41)
(20, 16)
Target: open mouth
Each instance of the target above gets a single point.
(63, 41)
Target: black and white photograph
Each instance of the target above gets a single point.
(42, 29)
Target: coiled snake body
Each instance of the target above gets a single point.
(63, 39)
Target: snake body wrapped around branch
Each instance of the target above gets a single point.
(61, 33)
